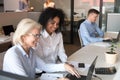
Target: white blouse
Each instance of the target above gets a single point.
(51, 47)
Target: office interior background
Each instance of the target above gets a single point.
(74, 10)
(80, 7)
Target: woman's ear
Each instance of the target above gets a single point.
(23, 38)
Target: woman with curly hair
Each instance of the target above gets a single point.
(50, 48)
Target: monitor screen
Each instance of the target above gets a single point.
(8, 29)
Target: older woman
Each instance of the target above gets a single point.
(20, 59)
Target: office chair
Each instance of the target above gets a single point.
(78, 26)
(79, 23)
(81, 42)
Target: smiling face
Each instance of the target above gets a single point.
(31, 38)
(52, 25)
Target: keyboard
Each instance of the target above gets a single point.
(106, 70)
(107, 40)
(72, 77)
(113, 40)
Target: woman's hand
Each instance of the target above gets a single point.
(71, 70)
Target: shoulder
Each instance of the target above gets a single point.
(12, 52)
(83, 24)
(12, 49)
(59, 34)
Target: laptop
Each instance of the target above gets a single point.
(114, 39)
(8, 29)
(83, 77)
(10, 76)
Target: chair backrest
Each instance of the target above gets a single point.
(81, 42)
(79, 23)
(78, 26)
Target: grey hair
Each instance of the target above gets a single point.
(23, 27)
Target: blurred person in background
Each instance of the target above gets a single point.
(49, 3)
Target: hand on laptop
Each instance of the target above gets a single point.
(72, 70)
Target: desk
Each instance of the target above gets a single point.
(5, 43)
(87, 55)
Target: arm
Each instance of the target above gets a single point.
(49, 67)
(85, 35)
(56, 67)
(61, 52)
(100, 32)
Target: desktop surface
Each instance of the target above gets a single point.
(88, 53)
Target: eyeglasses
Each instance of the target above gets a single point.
(35, 35)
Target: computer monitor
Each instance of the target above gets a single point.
(113, 22)
(8, 29)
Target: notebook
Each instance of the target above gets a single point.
(114, 39)
(8, 29)
(89, 74)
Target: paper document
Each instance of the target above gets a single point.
(101, 44)
(4, 38)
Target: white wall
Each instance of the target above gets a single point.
(13, 18)
(11, 5)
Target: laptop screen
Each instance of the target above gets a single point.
(8, 29)
(83, 77)
(91, 69)
(118, 36)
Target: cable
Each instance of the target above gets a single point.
(97, 77)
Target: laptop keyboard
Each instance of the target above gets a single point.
(72, 77)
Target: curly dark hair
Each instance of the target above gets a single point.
(51, 13)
